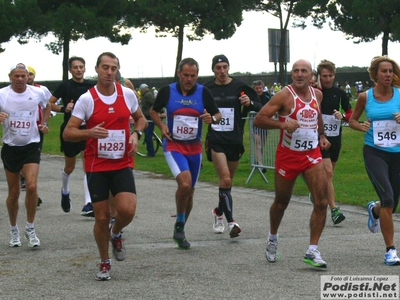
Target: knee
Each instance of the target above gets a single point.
(226, 181)
(31, 187)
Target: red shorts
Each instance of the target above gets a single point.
(290, 164)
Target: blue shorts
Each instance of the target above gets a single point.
(178, 163)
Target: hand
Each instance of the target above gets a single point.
(366, 125)
(337, 114)
(324, 143)
(207, 118)
(291, 126)
(70, 106)
(244, 99)
(43, 128)
(3, 116)
(99, 132)
(396, 117)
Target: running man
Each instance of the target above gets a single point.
(108, 158)
(224, 141)
(187, 104)
(21, 147)
(69, 91)
(298, 152)
(334, 102)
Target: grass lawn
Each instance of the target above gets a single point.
(351, 182)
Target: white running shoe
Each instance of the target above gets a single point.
(271, 252)
(218, 225)
(30, 235)
(15, 240)
(373, 224)
(391, 258)
(234, 229)
(313, 257)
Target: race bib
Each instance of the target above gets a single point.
(113, 146)
(331, 125)
(185, 128)
(227, 122)
(304, 139)
(20, 122)
(386, 133)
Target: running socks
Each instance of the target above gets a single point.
(225, 204)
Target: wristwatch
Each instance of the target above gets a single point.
(139, 134)
(214, 120)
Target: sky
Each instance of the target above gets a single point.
(247, 51)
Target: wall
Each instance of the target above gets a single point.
(267, 79)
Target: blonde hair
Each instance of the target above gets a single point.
(373, 69)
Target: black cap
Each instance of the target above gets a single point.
(219, 58)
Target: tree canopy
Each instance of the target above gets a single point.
(196, 18)
(71, 20)
(360, 20)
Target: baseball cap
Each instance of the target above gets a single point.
(143, 86)
(18, 66)
(31, 70)
(217, 59)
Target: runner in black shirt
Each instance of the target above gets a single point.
(69, 91)
(224, 141)
(334, 101)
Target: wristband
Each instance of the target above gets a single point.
(322, 133)
(62, 109)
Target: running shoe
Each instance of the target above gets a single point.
(30, 235)
(87, 210)
(65, 202)
(39, 201)
(313, 257)
(118, 247)
(22, 182)
(180, 239)
(15, 240)
(337, 216)
(373, 224)
(104, 273)
(218, 225)
(310, 197)
(271, 252)
(391, 258)
(234, 229)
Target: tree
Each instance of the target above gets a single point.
(366, 20)
(13, 16)
(360, 20)
(198, 17)
(71, 20)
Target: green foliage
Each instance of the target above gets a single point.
(73, 20)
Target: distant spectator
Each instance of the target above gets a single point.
(348, 90)
(155, 92)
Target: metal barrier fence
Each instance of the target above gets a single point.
(263, 145)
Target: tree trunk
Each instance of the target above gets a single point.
(180, 50)
(65, 55)
(385, 42)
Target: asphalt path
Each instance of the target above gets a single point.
(216, 266)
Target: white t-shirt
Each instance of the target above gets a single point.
(20, 128)
(83, 108)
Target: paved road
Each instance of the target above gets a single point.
(64, 265)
